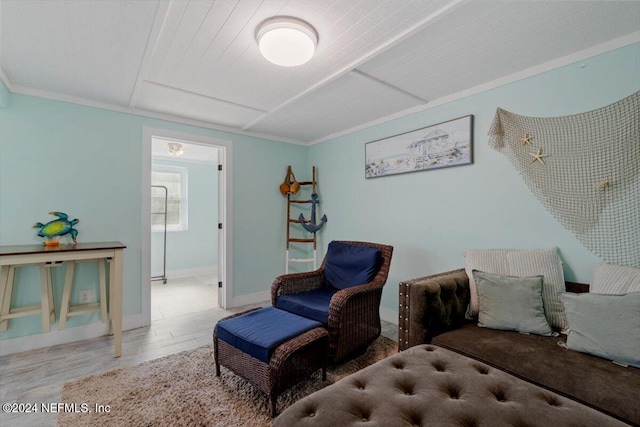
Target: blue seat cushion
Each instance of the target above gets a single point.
(259, 332)
(349, 265)
(312, 304)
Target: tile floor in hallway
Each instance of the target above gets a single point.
(183, 314)
(183, 296)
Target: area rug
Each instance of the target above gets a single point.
(182, 390)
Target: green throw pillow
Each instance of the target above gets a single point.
(511, 303)
(604, 325)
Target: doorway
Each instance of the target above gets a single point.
(197, 234)
(184, 228)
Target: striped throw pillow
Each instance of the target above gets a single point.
(522, 263)
(615, 279)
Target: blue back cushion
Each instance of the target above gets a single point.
(259, 332)
(350, 265)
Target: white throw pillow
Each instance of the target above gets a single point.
(615, 279)
(522, 263)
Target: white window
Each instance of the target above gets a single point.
(175, 180)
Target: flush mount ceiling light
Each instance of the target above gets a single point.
(175, 148)
(286, 41)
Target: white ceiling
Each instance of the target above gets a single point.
(198, 60)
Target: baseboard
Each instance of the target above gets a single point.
(56, 337)
(133, 321)
(97, 329)
(256, 298)
(389, 315)
(189, 272)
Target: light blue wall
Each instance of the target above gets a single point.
(196, 248)
(431, 217)
(88, 162)
(5, 95)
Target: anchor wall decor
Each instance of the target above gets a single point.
(288, 189)
(311, 225)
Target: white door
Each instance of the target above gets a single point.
(221, 226)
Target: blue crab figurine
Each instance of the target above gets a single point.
(57, 227)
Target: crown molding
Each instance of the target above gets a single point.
(23, 90)
(599, 49)
(529, 72)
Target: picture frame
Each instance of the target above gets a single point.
(437, 146)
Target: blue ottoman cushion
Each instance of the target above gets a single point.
(259, 332)
(312, 304)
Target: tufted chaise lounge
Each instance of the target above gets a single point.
(471, 376)
(432, 310)
(430, 385)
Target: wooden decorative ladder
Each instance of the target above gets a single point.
(291, 221)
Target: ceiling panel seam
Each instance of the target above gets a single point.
(380, 82)
(241, 30)
(169, 42)
(152, 40)
(215, 36)
(372, 53)
(200, 95)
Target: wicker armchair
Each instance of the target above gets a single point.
(354, 313)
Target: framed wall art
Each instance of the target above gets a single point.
(437, 146)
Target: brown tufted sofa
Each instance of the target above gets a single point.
(432, 386)
(471, 376)
(432, 309)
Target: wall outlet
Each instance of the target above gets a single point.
(86, 296)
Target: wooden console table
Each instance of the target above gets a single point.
(22, 255)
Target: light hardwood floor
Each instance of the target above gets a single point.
(183, 314)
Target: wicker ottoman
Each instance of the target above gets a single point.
(271, 348)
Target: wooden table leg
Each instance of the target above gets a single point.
(6, 285)
(115, 279)
(103, 291)
(66, 295)
(52, 304)
(4, 275)
(44, 298)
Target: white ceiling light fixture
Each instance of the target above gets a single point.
(175, 148)
(286, 41)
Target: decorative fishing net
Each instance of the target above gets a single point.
(589, 173)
